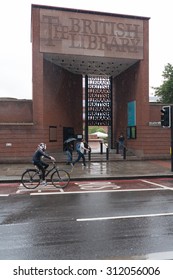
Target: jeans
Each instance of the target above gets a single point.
(121, 147)
(69, 156)
(80, 155)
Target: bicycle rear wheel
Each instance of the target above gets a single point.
(30, 178)
(60, 178)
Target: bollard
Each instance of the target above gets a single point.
(89, 155)
(124, 152)
(117, 148)
(101, 147)
(107, 153)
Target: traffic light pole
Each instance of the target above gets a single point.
(171, 138)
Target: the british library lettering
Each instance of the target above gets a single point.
(87, 34)
(77, 33)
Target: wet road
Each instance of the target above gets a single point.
(90, 225)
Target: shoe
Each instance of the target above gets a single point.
(44, 183)
(72, 164)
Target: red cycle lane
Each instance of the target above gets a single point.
(8, 188)
(92, 186)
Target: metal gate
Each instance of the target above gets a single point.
(98, 101)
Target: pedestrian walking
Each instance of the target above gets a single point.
(69, 152)
(80, 149)
(121, 143)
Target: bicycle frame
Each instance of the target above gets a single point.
(48, 171)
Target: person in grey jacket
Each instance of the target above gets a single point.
(37, 160)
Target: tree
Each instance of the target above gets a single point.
(165, 91)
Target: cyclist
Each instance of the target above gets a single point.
(37, 160)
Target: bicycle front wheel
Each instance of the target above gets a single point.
(30, 178)
(60, 178)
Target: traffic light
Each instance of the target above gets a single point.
(166, 116)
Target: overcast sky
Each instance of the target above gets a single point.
(15, 47)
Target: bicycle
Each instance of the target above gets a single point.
(31, 178)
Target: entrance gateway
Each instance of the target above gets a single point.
(111, 52)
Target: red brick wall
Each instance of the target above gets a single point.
(37, 70)
(129, 87)
(62, 100)
(16, 111)
(155, 112)
(132, 85)
(17, 142)
(57, 94)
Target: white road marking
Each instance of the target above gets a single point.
(1, 195)
(124, 217)
(96, 191)
(97, 185)
(43, 193)
(40, 192)
(156, 184)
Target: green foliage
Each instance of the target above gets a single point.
(93, 129)
(165, 91)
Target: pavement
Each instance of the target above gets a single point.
(121, 169)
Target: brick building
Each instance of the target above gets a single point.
(111, 53)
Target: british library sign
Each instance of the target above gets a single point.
(68, 32)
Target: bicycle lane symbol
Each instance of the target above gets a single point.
(92, 186)
(40, 189)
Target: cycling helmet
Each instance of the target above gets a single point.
(42, 146)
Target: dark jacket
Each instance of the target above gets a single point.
(38, 155)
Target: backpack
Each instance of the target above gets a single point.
(78, 147)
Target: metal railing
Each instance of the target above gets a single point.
(102, 144)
